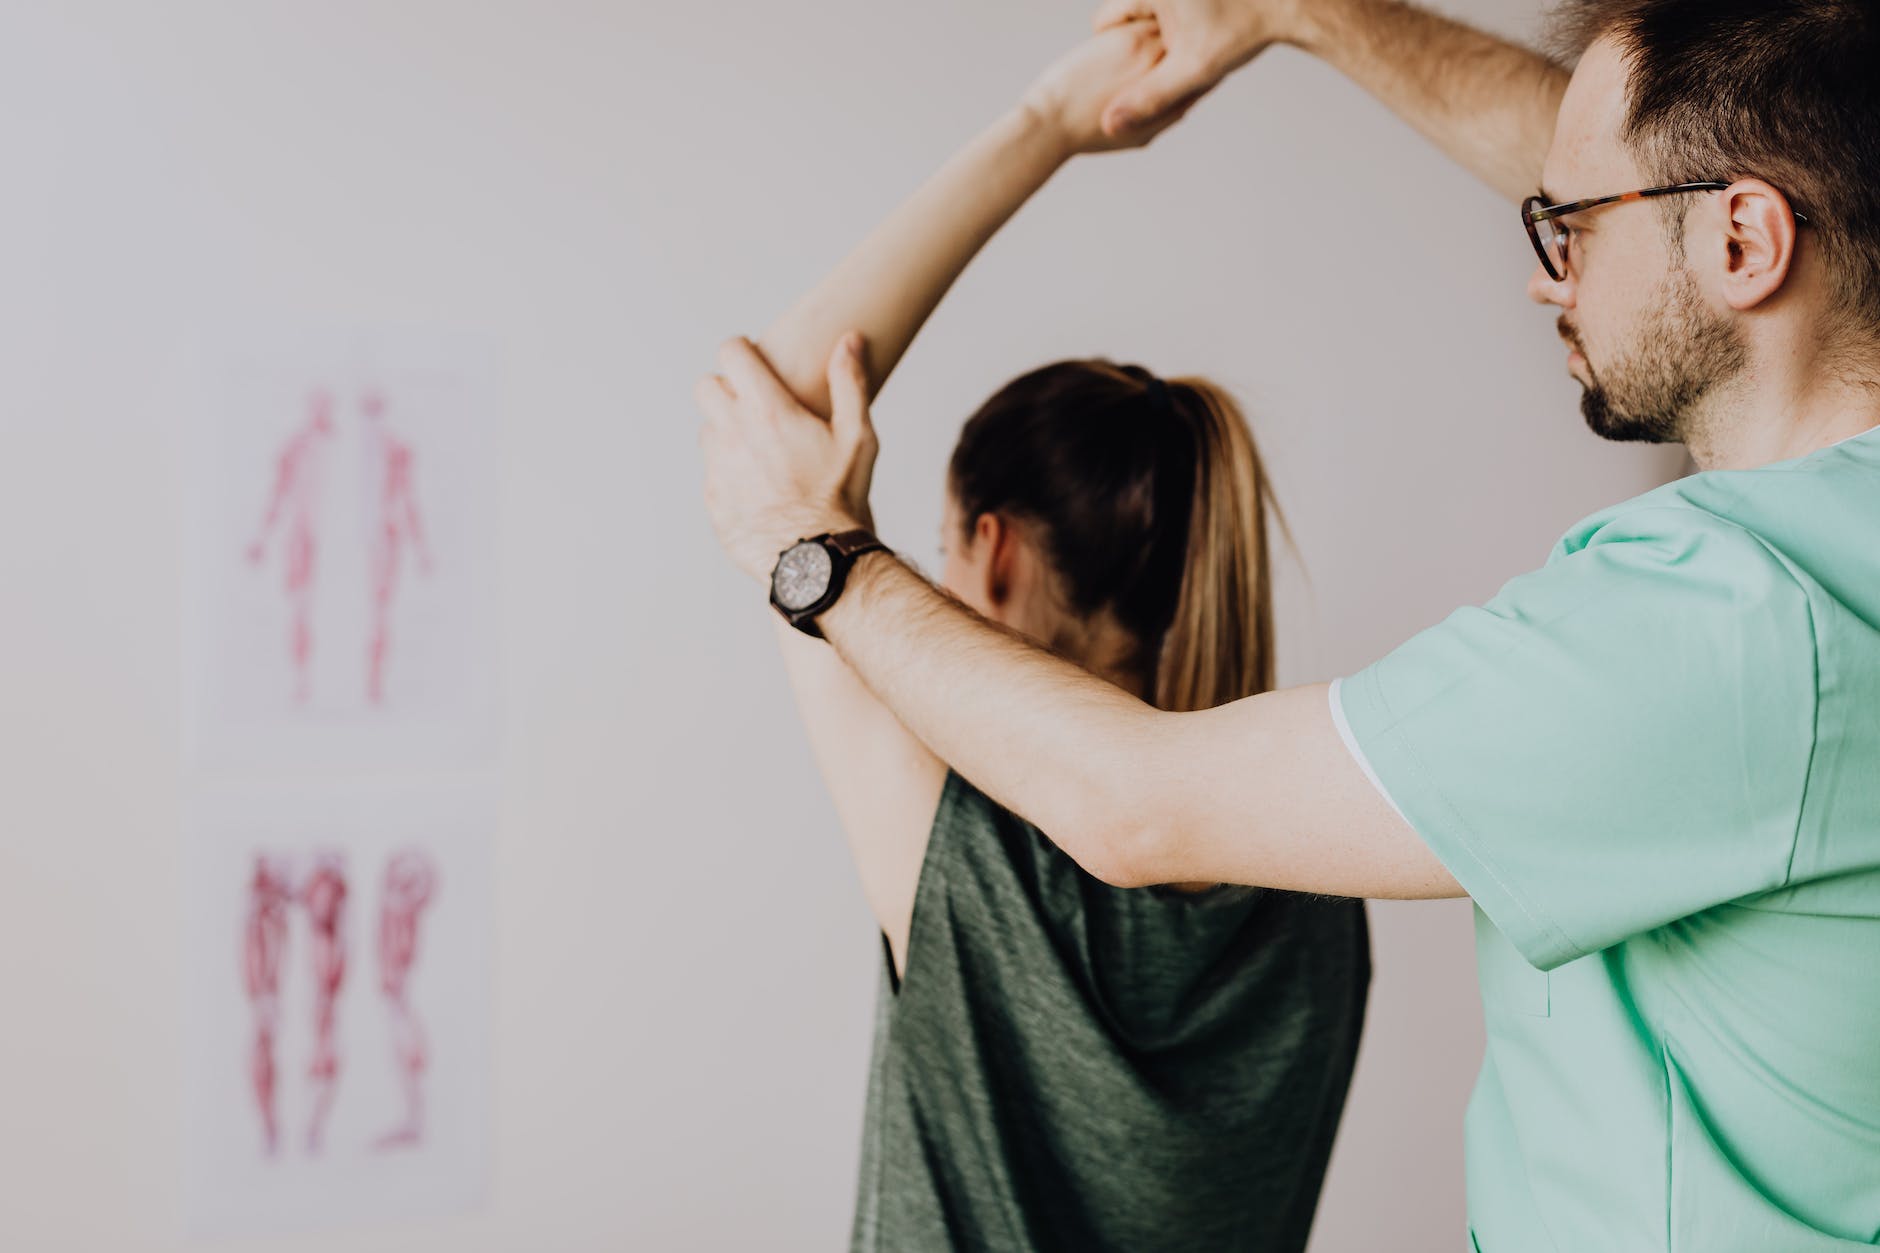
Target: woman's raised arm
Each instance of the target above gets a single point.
(884, 782)
(891, 283)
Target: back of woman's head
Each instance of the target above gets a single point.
(1150, 500)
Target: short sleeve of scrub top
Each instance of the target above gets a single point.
(1616, 741)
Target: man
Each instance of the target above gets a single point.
(1655, 763)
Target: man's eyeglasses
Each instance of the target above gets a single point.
(1550, 238)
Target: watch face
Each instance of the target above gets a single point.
(802, 576)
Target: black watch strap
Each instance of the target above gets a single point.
(852, 544)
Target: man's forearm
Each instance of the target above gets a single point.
(1039, 735)
(1488, 103)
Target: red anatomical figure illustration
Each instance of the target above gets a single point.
(394, 523)
(324, 895)
(410, 883)
(264, 938)
(299, 482)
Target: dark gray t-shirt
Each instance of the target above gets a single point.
(1068, 1065)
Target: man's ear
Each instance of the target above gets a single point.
(1760, 239)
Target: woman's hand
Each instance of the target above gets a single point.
(776, 472)
(1070, 96)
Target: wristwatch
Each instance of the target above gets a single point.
(809, 575)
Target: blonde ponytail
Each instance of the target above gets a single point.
(1219, 645)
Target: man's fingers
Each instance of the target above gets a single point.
(751, 376)
(712, 397)
(1116, 12)
(1159, 92)
(848, 388)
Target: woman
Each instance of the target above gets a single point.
(1060, 1064)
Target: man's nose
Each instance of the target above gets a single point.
(1544, 289)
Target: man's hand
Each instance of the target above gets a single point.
(1204, 41)
(1488, 103)
(1070, 97)
(775, 472)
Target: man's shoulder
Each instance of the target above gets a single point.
(1796, 529)
(1775, 504)
(1674, 558)
(1668, 521)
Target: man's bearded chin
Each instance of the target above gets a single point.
(1682, 352)
(1625, 427)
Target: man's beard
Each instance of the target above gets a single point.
(1682, 351)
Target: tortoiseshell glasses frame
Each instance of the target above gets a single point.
(1543, 220)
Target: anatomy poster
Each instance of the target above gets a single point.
(338, 1007)
(342, 551)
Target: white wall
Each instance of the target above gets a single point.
(684, 969)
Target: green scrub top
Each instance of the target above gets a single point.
(1655, 766)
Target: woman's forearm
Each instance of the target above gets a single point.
(891, 283)
(883, 781)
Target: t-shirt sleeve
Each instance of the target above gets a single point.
(1616, 741)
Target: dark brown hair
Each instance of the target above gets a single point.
(1783, 90)
(1152, 502)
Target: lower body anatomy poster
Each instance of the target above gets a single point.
(338, 1014)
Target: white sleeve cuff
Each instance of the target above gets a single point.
(1357, 754)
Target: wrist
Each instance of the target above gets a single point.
(810, 576)
(863, 576)
(806, 526)
(1315, 27)
(1034, 127)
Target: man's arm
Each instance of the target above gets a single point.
(1488, 103)
(1262, 791)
